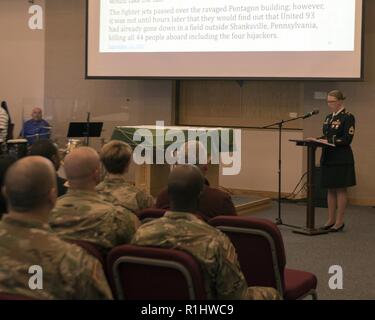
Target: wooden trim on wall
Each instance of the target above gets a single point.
(362, 202)
(265, 194)
(274, 195)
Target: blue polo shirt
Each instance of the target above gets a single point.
(32, 128)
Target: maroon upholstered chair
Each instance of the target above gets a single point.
(261, 254)
(8, 296)
(145, 273)
(149, 214)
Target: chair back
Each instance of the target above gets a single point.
(259, 246)
(145, 273)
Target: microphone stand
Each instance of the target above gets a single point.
(280, 124)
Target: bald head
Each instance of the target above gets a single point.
(82, 167)
(185, 184)
(37, 114)
(30, 184)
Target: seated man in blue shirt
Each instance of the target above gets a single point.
(36, 128)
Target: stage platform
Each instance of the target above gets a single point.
(247, 204)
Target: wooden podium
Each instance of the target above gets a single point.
(152, 178)
(311, 146)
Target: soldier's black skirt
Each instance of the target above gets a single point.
(338, 176)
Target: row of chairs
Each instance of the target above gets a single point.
(144, 273)
(172, 274)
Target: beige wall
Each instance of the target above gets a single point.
(251, 104)
(21, 60)
(259, 170)
(247, 104)
(69, 96)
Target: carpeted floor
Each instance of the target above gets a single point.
(353, 249)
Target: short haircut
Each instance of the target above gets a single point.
(337, 94)
(185, 184)
(44, 148)
(28, 182)
(116, 156)
(81, 164)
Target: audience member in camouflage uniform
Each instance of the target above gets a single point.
(26, 240)
(116, 158)
(212, 201)
(82, 214)
(179, 229)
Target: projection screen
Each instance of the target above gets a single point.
(241, 39)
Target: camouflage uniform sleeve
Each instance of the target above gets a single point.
(144, 200)
(82, 276)
(106, 196)
(92, 283)
(230, 282)
(125, 225)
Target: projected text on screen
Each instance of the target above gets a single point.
(227, 26)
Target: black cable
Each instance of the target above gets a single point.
(293, 192)
(302, 188)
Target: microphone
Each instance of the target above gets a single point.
(310, 114)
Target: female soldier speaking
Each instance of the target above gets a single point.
(337, 163)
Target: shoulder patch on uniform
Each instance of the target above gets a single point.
(351, 130)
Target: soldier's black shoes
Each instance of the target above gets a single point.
(337, 229)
